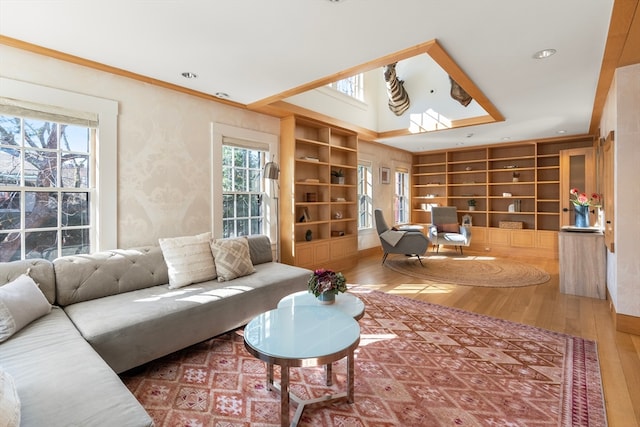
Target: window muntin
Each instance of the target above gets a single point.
(365, 196)
(242, 191)
(351, 86)
(402, 197)
(45, 188)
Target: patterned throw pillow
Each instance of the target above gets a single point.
(9, 401)
(21, 302)
(232, 258)
(189, 259)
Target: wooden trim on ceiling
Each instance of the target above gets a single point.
(622, 17)
(471, 121)
(8, 41)
(431, 48)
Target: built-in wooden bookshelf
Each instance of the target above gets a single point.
(319, 214)
(515, 183)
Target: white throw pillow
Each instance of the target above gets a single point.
(232, 258)
(189, 259)
(9, 401)
(21, 302)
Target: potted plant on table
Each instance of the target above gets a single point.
(472, 204)
(337, 176)
(325, 285)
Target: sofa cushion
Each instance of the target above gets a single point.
(63, 382)
(87, 277)
(9, 401)
(40, 270)
(136, 327)
(21, 302)
(232, 258)
(448, 228)
(188, 259)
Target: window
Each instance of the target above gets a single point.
(351, 86)
(365, 196)
(402, 197)
(242, 191)
(46, 188)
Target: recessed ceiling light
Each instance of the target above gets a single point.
(544, 53)
(335, 1)
(189, 75)
(506, 138)
(223, 95)
(561, 131)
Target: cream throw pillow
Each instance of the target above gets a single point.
(232, 258)
(189, 259)
(21, 302)
(9, 401)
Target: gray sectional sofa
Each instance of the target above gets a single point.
(113, 311)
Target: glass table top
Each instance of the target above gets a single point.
(348, 303)
(301, 332)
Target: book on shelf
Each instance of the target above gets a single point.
(312, 180)
(310, 158)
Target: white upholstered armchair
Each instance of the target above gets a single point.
(446, 230)
(399, 242)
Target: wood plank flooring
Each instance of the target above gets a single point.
(542, 306)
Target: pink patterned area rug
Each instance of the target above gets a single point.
(418, 364)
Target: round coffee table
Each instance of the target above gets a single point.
(302, 336)
(346, 302)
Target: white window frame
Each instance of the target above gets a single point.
(365, 195)
(104, 205)
(351, 86)
(260, 192)
(252, 139)
(401, 205)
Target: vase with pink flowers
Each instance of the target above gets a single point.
(581, 204)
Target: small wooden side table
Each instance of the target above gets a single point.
(582, 263)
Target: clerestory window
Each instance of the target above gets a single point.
(351, 86)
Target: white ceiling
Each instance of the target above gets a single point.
(257, 49)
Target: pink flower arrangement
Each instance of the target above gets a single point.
(581, 199)
(322, 281)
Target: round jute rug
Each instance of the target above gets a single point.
(470, 271)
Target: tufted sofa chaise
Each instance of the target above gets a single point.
(113, 311)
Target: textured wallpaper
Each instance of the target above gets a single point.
(164, 145)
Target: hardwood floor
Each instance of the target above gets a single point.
(542, 306)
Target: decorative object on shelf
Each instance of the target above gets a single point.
(337, 215)
(581, 203)
(516, 176)
(308, 236)
(337, 176)
(468, 168)
(385, 175)
(512, 225)
(337, 233)
(311, 197)
(467, 220)
(325, 285)
(471, 203)
(506, 194)
(305, 215)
